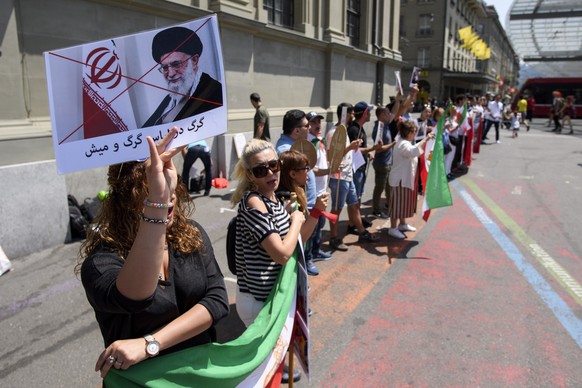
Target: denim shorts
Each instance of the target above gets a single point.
(347, 194)
(359, 182)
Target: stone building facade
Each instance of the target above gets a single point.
(306, 54)
(430, 40)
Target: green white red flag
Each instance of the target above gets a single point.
(433, 174)
(251, 360)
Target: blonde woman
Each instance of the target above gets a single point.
(266, 233)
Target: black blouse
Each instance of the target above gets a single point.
(192, 279)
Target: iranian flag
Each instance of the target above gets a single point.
(461, 116)
(465, 125)
(433, 174)
(107, 107)
(253, 359)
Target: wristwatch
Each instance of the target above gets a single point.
(152, 346)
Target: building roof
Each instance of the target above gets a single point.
(548, 36)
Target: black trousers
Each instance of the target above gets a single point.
(192, 156)
(488, 124)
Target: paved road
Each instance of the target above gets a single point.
(487, 293)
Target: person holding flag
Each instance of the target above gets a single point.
(451, 132)
(267, 234)
(463, 128)
(433, 175)
(403, 178)
(150, 273)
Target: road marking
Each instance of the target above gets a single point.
(554, 268)
(516, 190)
(561, 310)
(229, 279)
(226, 209)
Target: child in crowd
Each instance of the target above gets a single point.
(515, 117)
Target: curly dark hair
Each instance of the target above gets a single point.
(117, 223)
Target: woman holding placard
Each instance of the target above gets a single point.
(149, 272)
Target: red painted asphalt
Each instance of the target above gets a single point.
(451, 309)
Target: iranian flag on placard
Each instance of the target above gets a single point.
(433, 174)
(106, 104)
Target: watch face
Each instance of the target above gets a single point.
(153, 348)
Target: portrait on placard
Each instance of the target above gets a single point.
(415, 77)
(106, 97)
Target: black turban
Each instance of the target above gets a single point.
(175, 39)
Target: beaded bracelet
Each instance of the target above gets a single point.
(158, 205)
(155, 220)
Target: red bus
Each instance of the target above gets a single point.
(542, 88)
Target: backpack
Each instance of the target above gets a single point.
(77, 219)
(230, 244)
(90, 208)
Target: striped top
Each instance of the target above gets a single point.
(256, 271)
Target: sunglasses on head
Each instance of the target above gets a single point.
(262, 170)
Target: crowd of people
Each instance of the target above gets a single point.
(561, 112)
(150, 273)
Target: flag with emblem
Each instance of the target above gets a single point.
(106, 104)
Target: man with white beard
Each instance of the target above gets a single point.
(178, 50)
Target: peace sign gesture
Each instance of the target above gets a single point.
(160, 170)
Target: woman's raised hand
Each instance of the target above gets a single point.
(161, 172)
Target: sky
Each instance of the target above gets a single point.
(502, 8)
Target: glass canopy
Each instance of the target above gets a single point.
(547, 34)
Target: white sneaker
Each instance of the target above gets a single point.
(393, 232)
(406, 228)
(498, 142)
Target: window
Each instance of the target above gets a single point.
(280, 12)
(353, 20)
(425, 25)
(402, 29)
(423, 57)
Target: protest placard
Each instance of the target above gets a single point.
(398, 82)
(415, 76)
(105, 97)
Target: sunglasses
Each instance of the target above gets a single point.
(262, 170)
